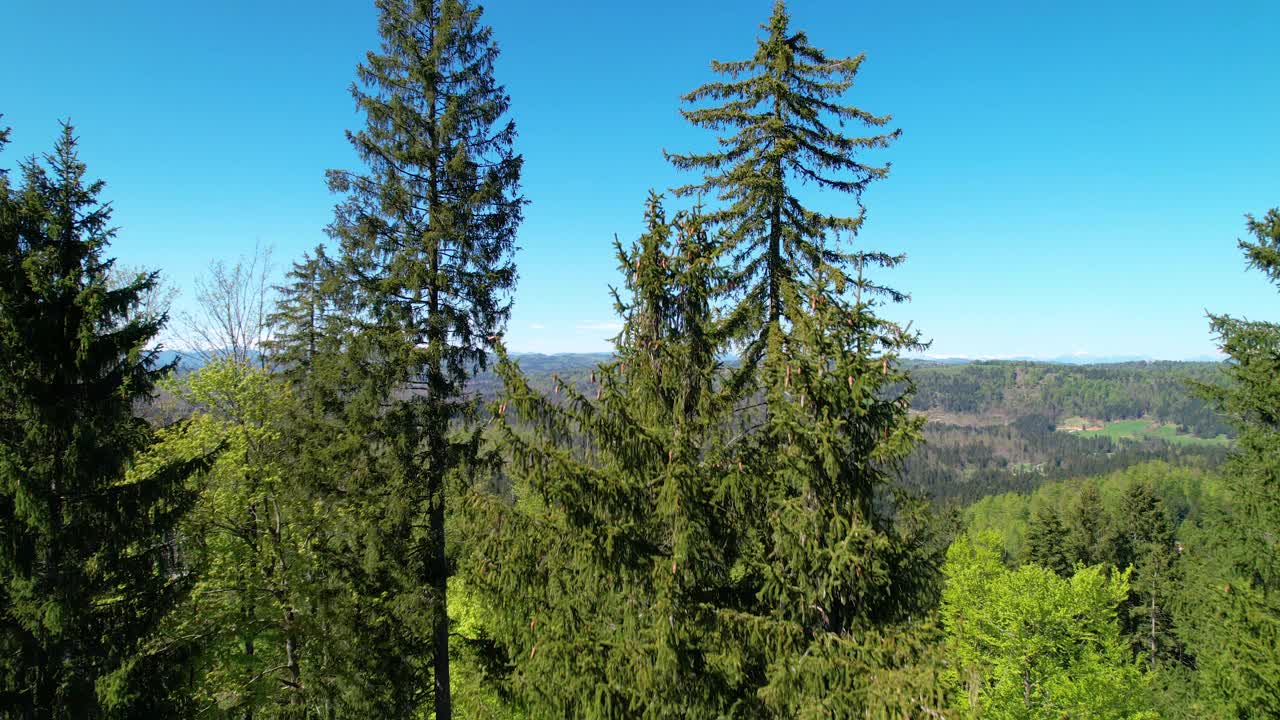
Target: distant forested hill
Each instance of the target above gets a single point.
(966, 463)
(1009, 390)
(994, 425)
(1001, 392)
(541, 370)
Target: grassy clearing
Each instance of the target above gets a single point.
(1139, 429)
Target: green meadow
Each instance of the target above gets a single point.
(1139, 429)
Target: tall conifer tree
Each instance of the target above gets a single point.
(1047, 542)
(86, 564)
(848, 567)
(298, 321)
(819, 571)
(782, 114)
(840, 560)
(612, 578)
(1144, 539)
(1087, 527)
(1230, 614)
(426, 233)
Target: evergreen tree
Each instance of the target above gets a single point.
(783, 113)
(647, 568)
(1087, 527)
(299, 320)
(1230, 613)
(426, 233)
(1144, 540)
(839, 560)
(87, 569)
(350, 656)
(613, 579)
(1047, 542)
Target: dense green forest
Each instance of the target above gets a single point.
(359, 504)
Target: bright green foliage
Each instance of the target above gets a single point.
(1027, 643)
(1047, 542)
(420, 290)
(782, 116)
(477, 693)
(246, 541)
(1186, 492)
(87, 569)
(1119, 521)
(1230, 613)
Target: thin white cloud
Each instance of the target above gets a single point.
(537, 326)
(612, 326)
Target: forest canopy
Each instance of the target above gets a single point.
(352, 500)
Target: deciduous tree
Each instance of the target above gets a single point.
(1028, 643)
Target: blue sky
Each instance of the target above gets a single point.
(1071, 176)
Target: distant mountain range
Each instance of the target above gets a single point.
(1072, 359)
(552, 362)
(579, 359)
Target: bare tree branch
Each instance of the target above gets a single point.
(233, 300)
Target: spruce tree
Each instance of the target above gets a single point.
(839, 559)
(782, 116)
(351, 655)
(1157, 576)
(1087, 527)
(829, 569)
(426, 233)
(848, 567)
(1047, 542)
(1230, 613)
(299, 318)
(87, 562)
(1144, 539)
(612, 579)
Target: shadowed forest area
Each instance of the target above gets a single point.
(343, 497)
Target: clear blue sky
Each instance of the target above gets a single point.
(1071, 178)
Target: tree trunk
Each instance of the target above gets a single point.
(437, 341)
(1153, 630)
(444, 702)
